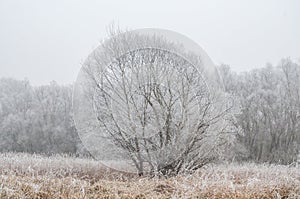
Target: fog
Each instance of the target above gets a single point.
(49, 40)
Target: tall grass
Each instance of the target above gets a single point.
(35, 176)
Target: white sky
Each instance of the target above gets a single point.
(44, 40)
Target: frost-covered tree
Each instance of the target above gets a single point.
(270, 109)
(15, 114)
(36, 119)
(154, 105)
(55, 126)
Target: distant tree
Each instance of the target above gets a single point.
(36, 119)
(55, 126)
(270, 109)
(16, 114)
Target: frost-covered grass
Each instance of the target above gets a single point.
(34, 176)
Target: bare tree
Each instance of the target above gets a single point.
(154, 105)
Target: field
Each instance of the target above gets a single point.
(34, 176)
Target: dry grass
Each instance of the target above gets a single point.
(32, 176)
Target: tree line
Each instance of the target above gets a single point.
(268, 115)
(39, 119)
(36, 119)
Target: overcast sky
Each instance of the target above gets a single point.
(49, 40)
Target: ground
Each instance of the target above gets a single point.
(35, 176)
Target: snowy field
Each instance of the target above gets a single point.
(34, 176)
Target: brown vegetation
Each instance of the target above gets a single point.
(27, 176)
